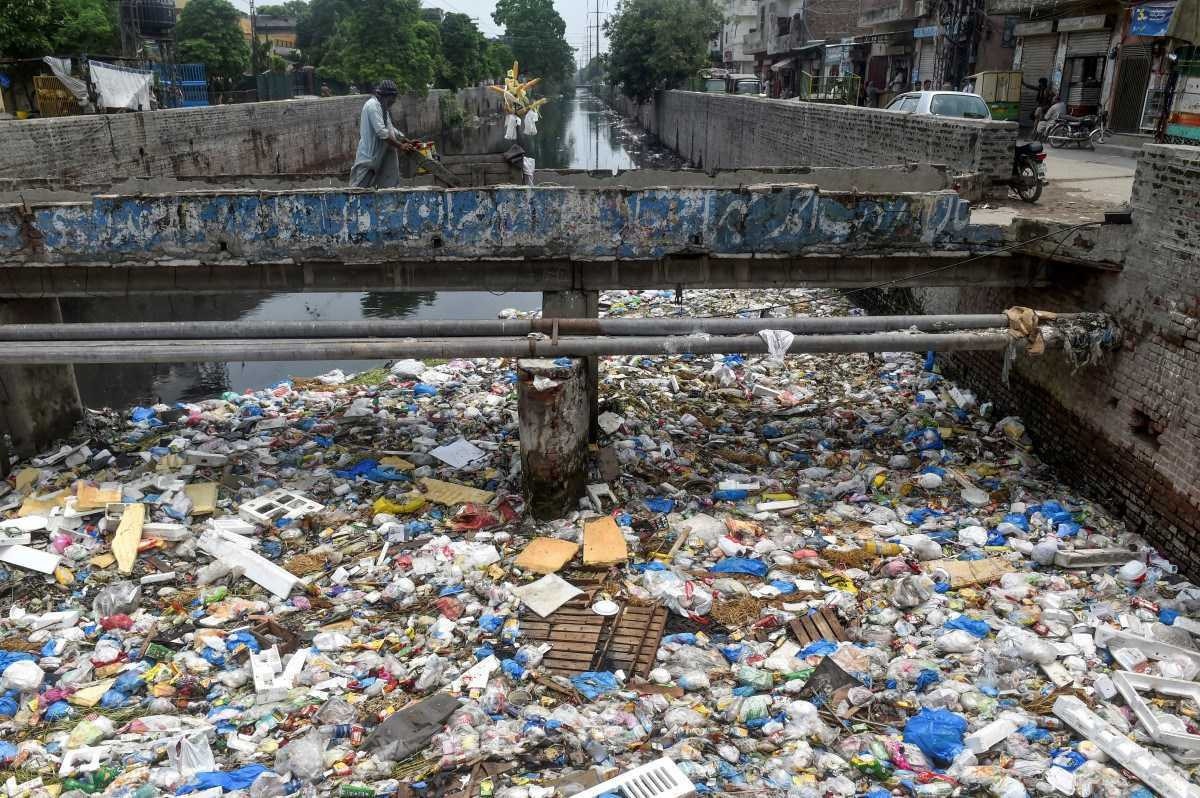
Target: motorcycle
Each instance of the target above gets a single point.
(1029, 171)
(1078, 130)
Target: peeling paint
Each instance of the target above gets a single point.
(505, 221)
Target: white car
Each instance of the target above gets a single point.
(955, 104)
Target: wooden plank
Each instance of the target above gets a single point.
(128, 536)
(603, 543)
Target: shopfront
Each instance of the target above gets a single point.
(1087, 42)
(1142, 68)
(1034, 56)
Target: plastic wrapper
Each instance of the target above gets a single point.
(119, 598)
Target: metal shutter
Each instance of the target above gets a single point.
(1133, 75)
(1037, 61)
(1092, 42)
(926, 61)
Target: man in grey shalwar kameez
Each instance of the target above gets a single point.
(377, 163)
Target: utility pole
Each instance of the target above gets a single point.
(253, 40)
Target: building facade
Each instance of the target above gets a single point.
(741, 18)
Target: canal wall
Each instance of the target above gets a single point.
(286, 136)
(1127, 433)
(722, 131)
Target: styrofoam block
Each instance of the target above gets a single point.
(661, 778)
(278, 504)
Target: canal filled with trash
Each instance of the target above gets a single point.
(578, 132)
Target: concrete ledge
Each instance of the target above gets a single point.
(525, 222)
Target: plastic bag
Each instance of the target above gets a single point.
(304, 758)
(778, 343)
(938, 733)
(190, 755)
(23, 675)
(911, 591)
(117, 599)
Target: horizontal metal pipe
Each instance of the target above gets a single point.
(455, 328)
(31, 352)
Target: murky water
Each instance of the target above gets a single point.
(576, 133)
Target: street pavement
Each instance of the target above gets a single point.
(1083, 184)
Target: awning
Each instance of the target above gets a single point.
(778, 65)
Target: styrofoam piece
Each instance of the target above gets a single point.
(1165, 780)
(1091, 558)
(1113, 640)
(1131, 685)
(995, 732)
(82, 760)
(14, 537)
(34, 559)
(766, 507)
(266, 509)
(166, 531)
(256, 568)
(598, 494)
(1189, 625)
(661, 778)
(196, 457)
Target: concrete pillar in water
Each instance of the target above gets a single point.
(37, 403)
(579, 305)
(552, 406)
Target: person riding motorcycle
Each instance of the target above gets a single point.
(1059, 108)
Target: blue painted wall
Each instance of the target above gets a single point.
(537, 222)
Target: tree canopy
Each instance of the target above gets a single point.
(30, 28)
(658, 44)
(384, 39)
(464, 52)
(498, 59)
(536, 34)
(317, 25)
(291, 8)
(208, 32)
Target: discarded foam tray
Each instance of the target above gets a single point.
(661, 778)
(278, 504)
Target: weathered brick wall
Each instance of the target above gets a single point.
(723, 130)
(250, 138)
(1128, 432)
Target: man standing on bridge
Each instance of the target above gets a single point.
(377, 163)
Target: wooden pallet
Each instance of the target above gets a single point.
(823, 625)
(583, 641)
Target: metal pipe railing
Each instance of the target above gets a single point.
(459, 328)
(296, 349)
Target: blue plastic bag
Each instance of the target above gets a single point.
(978, 628)
(593, 684)
(818, 648)
(660, 505)
(231, 780)
(927, 678)
(938, 733)
(740, 565)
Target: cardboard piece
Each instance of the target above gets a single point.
(92, 497)
(203, 496)
(128, 536)
(398, 463)
(449, 493)
(546, 555)
(603, 543)
(965, 573)
(90, 695)
(25, 479)
(42, 505)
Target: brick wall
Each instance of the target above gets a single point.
(251, 138)
(1127, 433)
(722, 130)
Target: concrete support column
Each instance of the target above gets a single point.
(579, 305)
(37, 403)
(552, 407)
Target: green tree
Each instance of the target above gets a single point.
(658, 44)
(208, 32)
(463, 52)
(536, 34)
(316, 27)
(498, 59)
(291, 8)
(57, 27)
(380, 39)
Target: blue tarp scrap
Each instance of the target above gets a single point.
(978, 628)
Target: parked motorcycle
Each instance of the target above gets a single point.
(1078, 130)
(1029, 171)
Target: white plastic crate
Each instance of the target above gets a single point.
(661, 778)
